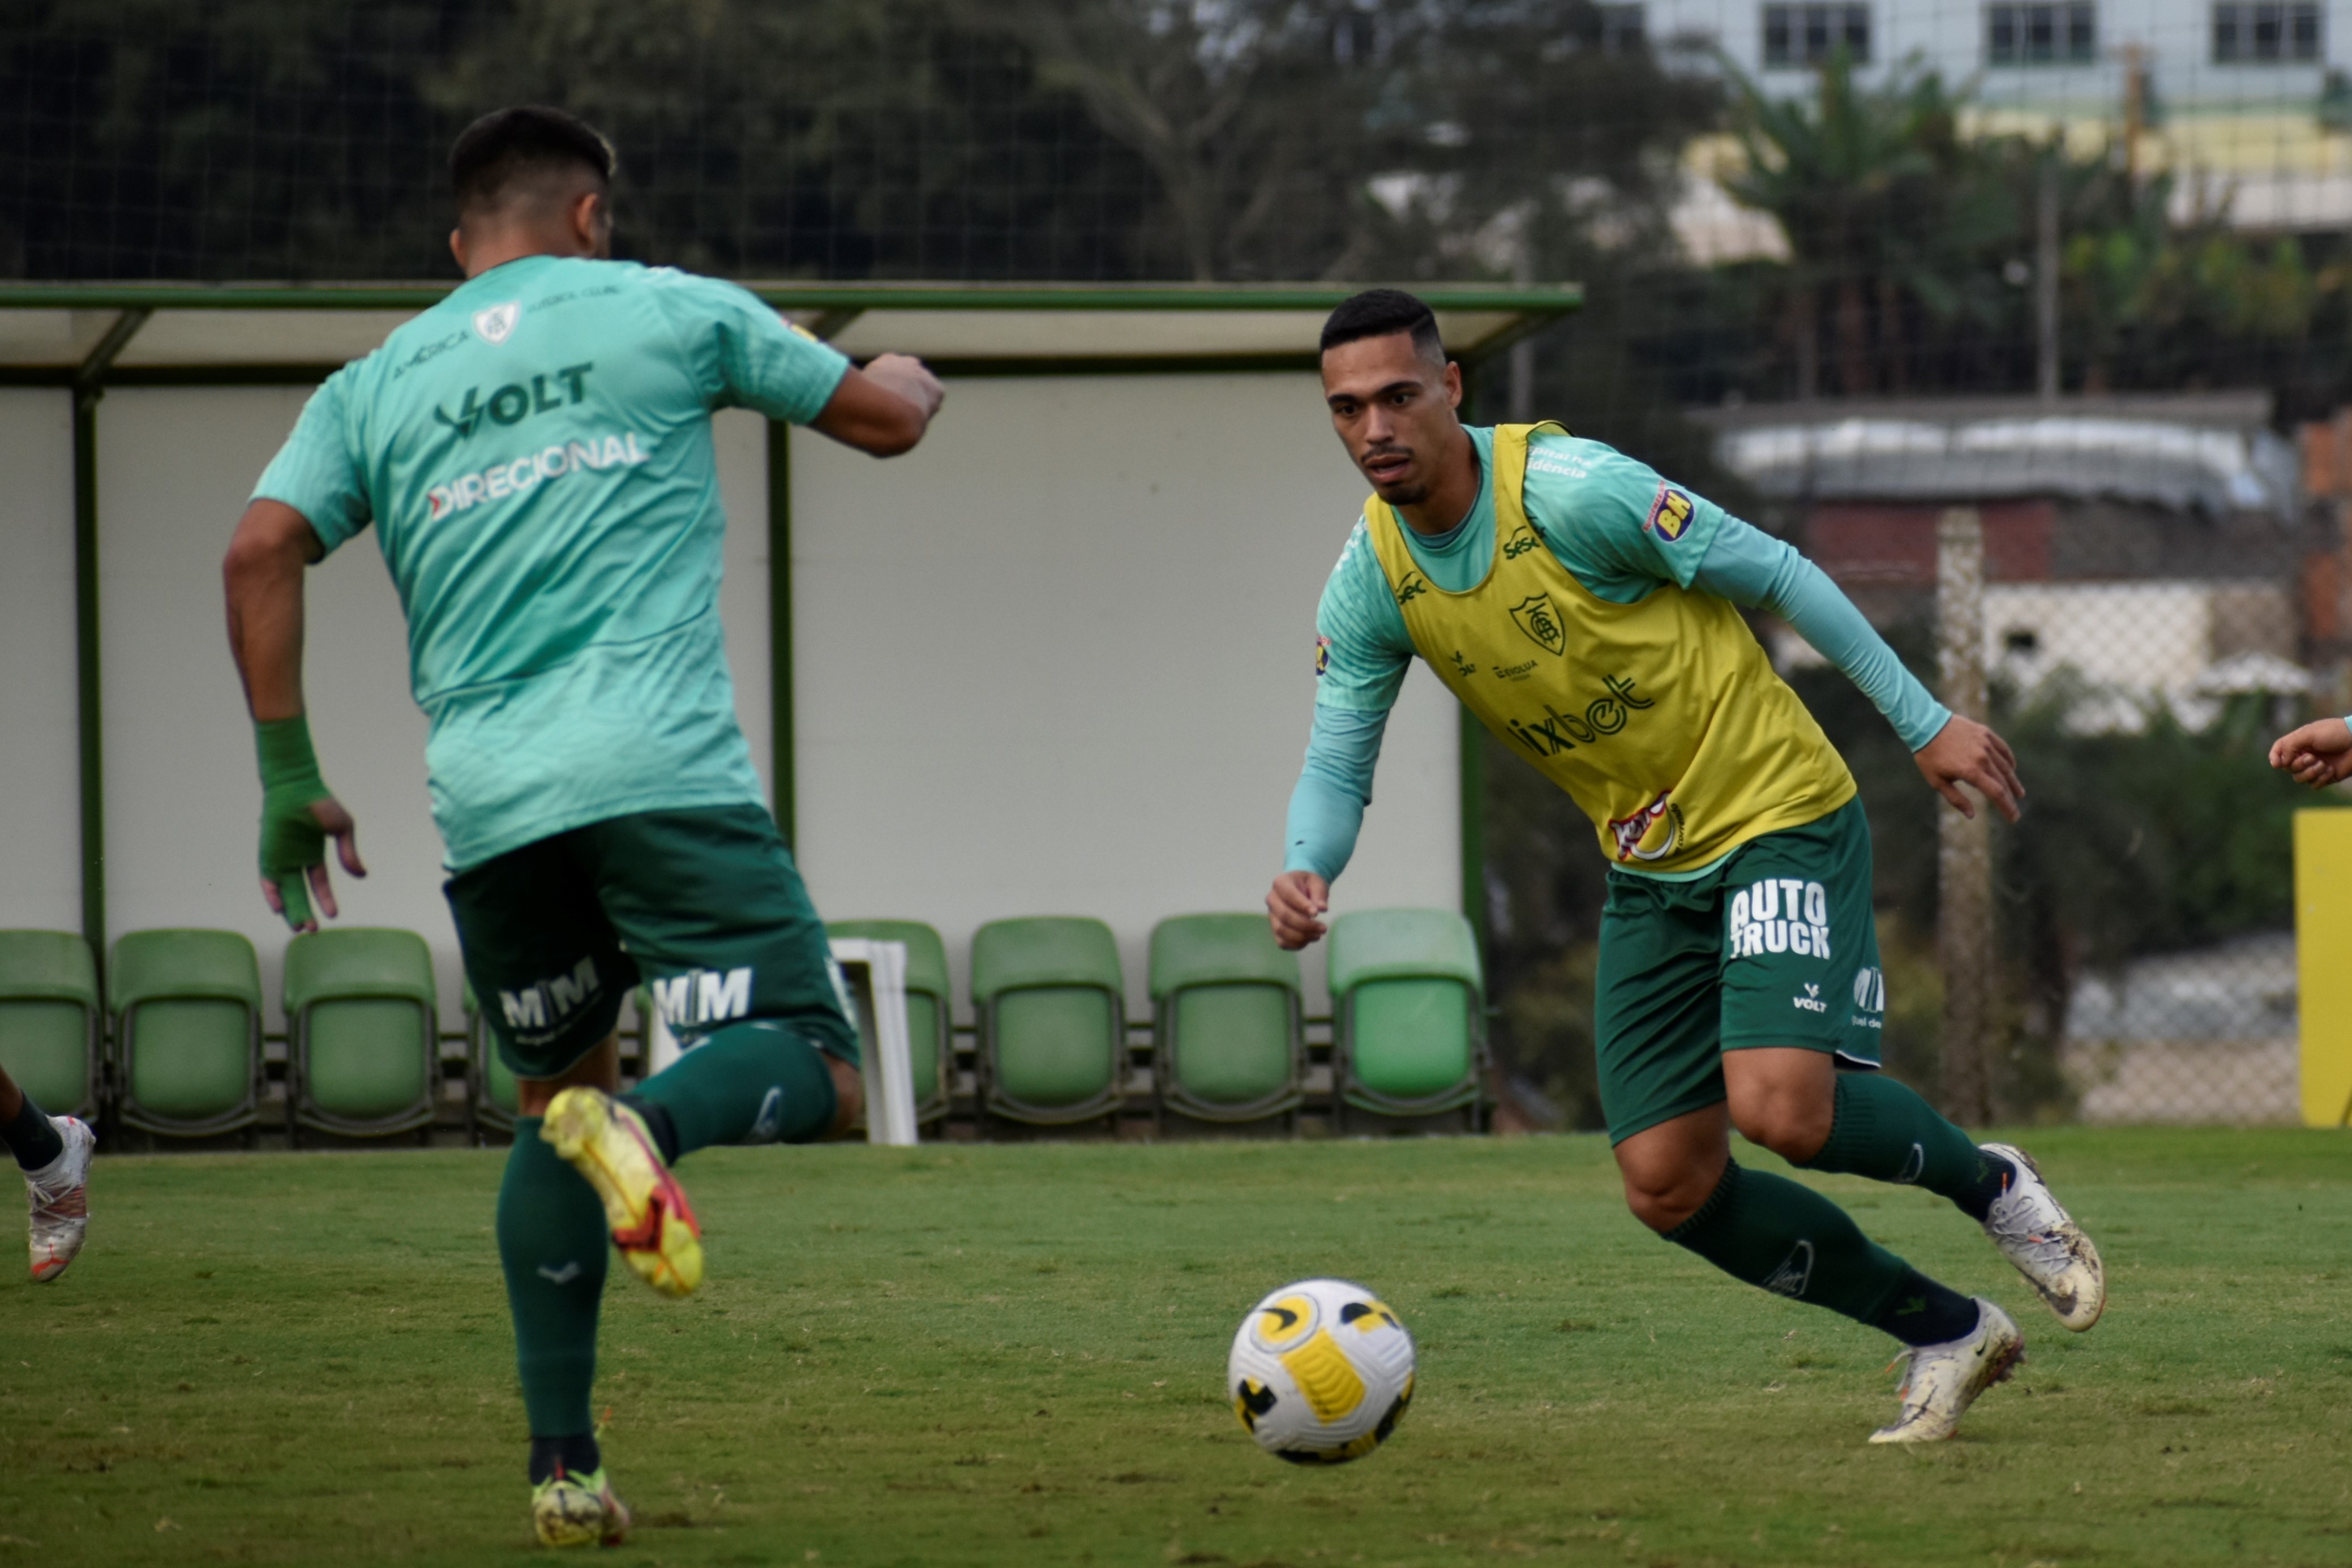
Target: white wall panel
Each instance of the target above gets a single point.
(1059, 660)
(40, 774)
(741, 440)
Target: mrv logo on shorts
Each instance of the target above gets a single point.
(1781, 914)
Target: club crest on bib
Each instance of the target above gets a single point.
(1669, 514)
(497, 324)
(1536, 618)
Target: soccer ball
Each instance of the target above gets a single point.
(1321, 1373)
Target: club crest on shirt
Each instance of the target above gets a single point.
(1669, 514)
(497, 324)
(1322, 656)
(1536, 618)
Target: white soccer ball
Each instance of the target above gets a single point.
(1321, 1371)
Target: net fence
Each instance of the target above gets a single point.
(2077, 267)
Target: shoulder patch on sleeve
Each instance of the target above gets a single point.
(1322, 657)
(1670, 514)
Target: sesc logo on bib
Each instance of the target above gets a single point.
(497, 324)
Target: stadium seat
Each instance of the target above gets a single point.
(363, 1032)
(928, 1051)
(1053, 1019)
(51, 1032)
(187, 1031)
(1228, 1040)
(1408, 1011)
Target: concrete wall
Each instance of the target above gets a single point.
(1059, 660)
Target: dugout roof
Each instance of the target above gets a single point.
(61, 333)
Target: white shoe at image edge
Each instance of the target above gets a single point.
(1943, 1380)
(59, 1196)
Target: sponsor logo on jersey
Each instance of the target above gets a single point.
(527, 472)
(1413, 586)
(1782, 914)
(1518, 544)
(1669, 514)
(1535, 617)
(1322, 657)
(1811, 1000)
(1556, 731)
(497, 324)
(1463, 667)
(514, 401)
(538, 1011)
(1630, 832)
(701, 996)
(427, 353)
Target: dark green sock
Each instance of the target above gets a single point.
(553, 1241)
(1883, 1131)
(30, 1137)
(753, 1082)
(1789, 1239)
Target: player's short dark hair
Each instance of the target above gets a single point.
(506, 144)
(1377, 313)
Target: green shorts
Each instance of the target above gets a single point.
(703, 905)
(1774, 947)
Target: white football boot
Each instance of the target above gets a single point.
(2033, 1232)
(58, 1195)
(1942, 1381)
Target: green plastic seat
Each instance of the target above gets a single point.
(187, 1031)
(928, 1051)
(364, 1032)
(50, 1020)
(1228, 1037)
(1053, 1019)
(1408, 1003)
(491, 1097)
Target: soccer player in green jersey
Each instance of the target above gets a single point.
(1584, 609)
(535, 455)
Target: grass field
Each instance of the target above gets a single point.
(1013, 1354)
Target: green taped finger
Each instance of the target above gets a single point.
(294, 895)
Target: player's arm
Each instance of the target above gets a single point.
(1361, 654)
(746, 356)
(308, 501)
(1751, 568)
(2318, 754)
(885, 408)
(273, 546)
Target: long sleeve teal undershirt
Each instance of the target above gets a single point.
(1742, 564)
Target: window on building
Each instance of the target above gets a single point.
(1809, 35)
(2066, 33)
(1624, 29)
(2264, 32)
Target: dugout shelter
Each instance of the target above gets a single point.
(1058, 660)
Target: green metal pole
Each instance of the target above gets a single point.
(780, 623)
(90, 712)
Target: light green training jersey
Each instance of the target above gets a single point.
(535, 453)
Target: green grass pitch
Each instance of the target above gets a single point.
(1013, 1356)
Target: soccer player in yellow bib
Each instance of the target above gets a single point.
(1587, 611)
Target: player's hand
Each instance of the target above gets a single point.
(294, 860)
(1966, 751)
(1297, 905)
(2318, 754)
(911, 379)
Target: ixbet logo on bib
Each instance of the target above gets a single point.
(1536, 618)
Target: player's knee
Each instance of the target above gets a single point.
(1791, 1122)
(1664, 1198)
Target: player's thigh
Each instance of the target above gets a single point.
(1656, 1008)
(547, 969)
(1800, 943)
(709, 904)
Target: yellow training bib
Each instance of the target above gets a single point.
(1662, 720)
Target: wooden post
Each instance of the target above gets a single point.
(1964, 938)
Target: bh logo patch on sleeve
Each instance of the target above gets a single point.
(1670, 514)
